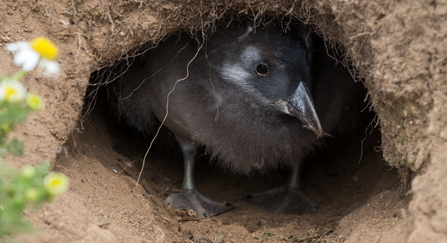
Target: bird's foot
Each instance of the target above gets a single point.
(284, 200)
(192, 199)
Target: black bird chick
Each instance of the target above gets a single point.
(255, 98)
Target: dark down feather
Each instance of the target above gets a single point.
(226, 103)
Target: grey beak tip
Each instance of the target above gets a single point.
(319, 133)
(317, 130)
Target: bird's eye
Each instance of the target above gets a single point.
(262, 69)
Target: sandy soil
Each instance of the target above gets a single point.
(357, 200)
(398, 48)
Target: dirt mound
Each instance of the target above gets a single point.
(397, 48)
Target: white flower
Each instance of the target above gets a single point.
(12, 91)
(24, 55)
(38, 52)
(49, 67)
(2, 95)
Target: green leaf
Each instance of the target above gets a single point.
(15, 147)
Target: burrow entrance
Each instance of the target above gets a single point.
(349, 179)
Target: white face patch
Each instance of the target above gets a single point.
(235, 73)
(250, 55)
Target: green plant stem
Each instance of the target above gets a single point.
(19, 75)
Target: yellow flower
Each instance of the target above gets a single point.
(34, 101)
(31, 194)
(12, 91)
(28, 171)
(46, 48)
(39, 51)
(55, 183)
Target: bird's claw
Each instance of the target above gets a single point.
(192, 199)
(284, 200)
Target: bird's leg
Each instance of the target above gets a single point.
(287, 199)
(191, 198)
(189, 156)
(294, 180)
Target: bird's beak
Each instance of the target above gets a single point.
(301, 105)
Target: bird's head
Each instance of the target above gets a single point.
(273, 68)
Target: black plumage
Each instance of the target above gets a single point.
(255, 98)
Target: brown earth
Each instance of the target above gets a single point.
(397, 47)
